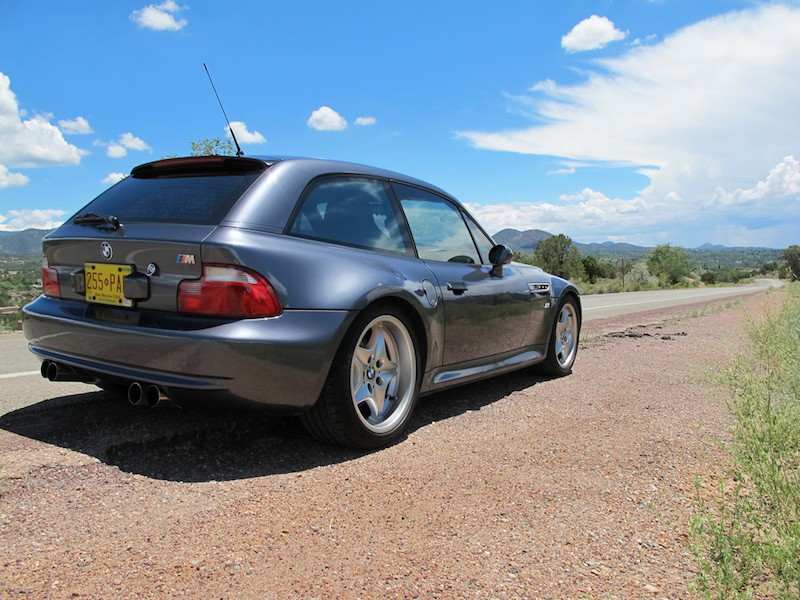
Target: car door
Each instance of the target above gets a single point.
(484, 314)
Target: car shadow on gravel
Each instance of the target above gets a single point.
(215, 443)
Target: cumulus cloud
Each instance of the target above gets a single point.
(17, 220)
(326, 119)
(364, 121)
(159, 17)
(76, 126)
(243, 136)
(767, 213)
(712, 107)
(591, 34)
(33, 142)
(113, 178)
(563, 171)
(126, 141)
(9, 179)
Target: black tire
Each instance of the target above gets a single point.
(562, 346)
(373, 383)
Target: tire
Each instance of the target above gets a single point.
(373, 384)
(563, 344)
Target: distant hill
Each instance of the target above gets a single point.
(707, 256)
(521, 240)
(22, 243)
(527, 240)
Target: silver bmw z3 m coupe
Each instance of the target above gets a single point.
(330, 290)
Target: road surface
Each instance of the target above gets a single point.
(603, 306)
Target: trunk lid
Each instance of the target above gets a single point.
(153, 258)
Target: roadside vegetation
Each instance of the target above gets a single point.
(20, 282)
(663, 267)
(747, 537)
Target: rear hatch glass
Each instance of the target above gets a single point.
(196, 191)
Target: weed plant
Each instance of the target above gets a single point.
(747, 540)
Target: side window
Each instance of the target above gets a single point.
(350, 210)
(481, 239)
(438, 229)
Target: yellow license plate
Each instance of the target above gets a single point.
(104, 283)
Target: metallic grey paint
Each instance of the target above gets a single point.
(472, 324)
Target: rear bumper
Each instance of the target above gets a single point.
(281, 362)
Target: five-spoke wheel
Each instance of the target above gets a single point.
(373, 383)
(563, 344)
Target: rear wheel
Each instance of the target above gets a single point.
(563, 344)
(372, 387)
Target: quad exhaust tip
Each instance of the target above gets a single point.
(54, 371)
(151, 395)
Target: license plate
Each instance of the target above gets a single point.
(104, 283)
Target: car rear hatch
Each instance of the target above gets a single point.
(134, 244)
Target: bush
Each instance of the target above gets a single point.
(748, 542)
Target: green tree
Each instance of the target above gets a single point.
(592, 268)
(669, 263)
(558, 255)
(791, 256)
(209, 146)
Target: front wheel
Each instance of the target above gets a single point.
(372, 387)
(563, 344)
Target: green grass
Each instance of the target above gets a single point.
(747, 539)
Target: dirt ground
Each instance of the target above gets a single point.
(580, 487)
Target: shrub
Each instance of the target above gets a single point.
(748, 542)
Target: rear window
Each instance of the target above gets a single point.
(203, 200)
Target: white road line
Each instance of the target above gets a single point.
(22, 374)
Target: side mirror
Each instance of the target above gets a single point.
(499, 255)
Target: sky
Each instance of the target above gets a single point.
(639, 121)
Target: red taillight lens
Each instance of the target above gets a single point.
(228, 291)
(50, 286)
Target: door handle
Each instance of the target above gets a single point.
(457, 287)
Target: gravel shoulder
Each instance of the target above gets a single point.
(579, 487)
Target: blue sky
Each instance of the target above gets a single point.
(640, 121)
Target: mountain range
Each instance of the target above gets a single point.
(29, 242)
(22, 243)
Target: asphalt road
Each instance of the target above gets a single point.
(603, 306)
(20, 370)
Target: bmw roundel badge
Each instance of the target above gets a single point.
(106, 250)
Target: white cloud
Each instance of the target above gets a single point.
(115, 150)
(243, 136)
(768, 214)
(113, 178)
(712, 107)
(591, 34)
(76, 126)
(159, 17)
(364, 121)
(563, 171)
(131, 142)
(326, 119)
(126, 141)
(17, 220)
(33, 142)
(9, 179)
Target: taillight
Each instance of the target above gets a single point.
(228, 291)
(50, 286)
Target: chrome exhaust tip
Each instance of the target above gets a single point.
(53, 371)
(135, 393)
(154, 396)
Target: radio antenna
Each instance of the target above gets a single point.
(233, 135)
